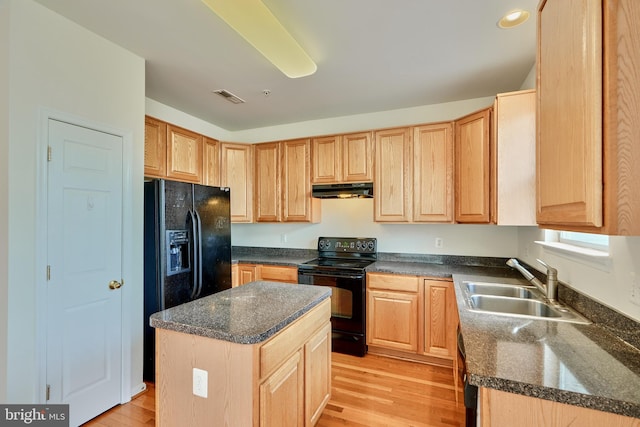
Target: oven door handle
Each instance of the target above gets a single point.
(337, 275)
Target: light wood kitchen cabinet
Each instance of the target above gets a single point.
(155, 148)
(411, 317)
(268, 192)
(317, 362)
(274, 273)
(500, 408)
(588, 116)
(342, 158)
(393, 181)
(472, 157)
(282, 394)
(283, 186)
(184, 154)
(236, 172)
(440, 312)
(513, 153)
(211, 162)
(433, 173)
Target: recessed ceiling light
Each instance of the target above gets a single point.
(513, 18)
(258, 26)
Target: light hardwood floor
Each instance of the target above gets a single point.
(366, 392)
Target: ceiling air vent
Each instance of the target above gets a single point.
(229, 96)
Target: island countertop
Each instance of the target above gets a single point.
(248, 314)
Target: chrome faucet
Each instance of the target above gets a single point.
(550, 290)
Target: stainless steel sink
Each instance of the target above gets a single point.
(516, 300)
(502, 290)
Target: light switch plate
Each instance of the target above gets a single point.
(200, 382)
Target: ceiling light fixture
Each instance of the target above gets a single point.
(257, 25)
(513, 18)
(229, 96)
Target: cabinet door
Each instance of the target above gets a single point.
(440, 318)
(433, 173)
(513, 159)
(569, 150)
(282, 395)
(235, 276)
(184, 155)
(211, 162)
(472, 193)
(247, 273)
(392, 320)
(393, 179)
(326, 160)
(267, 182)
(317, 372)
(236, 172)
(297, 202)
(155, 148)
(357, 158)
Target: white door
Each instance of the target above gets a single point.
(84, 250)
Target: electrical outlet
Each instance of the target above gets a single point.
(200, 382)
(438, 243)
(635, 288)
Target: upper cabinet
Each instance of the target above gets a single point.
(283, 182)
(184, 155)
(513, 153)
(342, 158)
(236, 172)
(392, 177)
(588, 116)
(472, 163)
(155, 148)
(211, 162)
(433, 172)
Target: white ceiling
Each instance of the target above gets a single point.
(372, 55)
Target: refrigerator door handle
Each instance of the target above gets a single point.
(194, 246)
(199, 244)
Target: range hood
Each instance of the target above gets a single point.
(343, 191)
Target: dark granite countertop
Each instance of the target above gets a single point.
(248, 314)
(272, 256)
(582, 365)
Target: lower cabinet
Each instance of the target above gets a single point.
(245, 273)
(282, 394)
(411, 316)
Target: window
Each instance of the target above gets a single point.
(582, 245)
(595, 241)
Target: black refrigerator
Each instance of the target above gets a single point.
(187, 249)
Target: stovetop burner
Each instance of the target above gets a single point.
(348, 253)
(339, 263)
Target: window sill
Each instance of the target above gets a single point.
(588, 256)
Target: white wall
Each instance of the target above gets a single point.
(4, 190)
(57, 65)
(607, 282)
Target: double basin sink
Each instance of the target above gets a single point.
(516, 300)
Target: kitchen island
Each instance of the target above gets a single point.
(255, 355)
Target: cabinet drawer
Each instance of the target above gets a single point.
(277, 349)
(393, 282)
(279, 273)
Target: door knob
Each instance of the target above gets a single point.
(114, 284)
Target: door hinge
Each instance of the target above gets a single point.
(49, 153)
(48, 272)
(48, 393)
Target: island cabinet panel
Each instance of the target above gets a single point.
(472, 163)
(155, 148)
(282, 395)
(588, 116)
(500, 408)
(236, 172)
(317, 354)
(393, 180)
(184, 155)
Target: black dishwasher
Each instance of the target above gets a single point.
(470, 391)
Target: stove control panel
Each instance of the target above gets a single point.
(365, 245)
